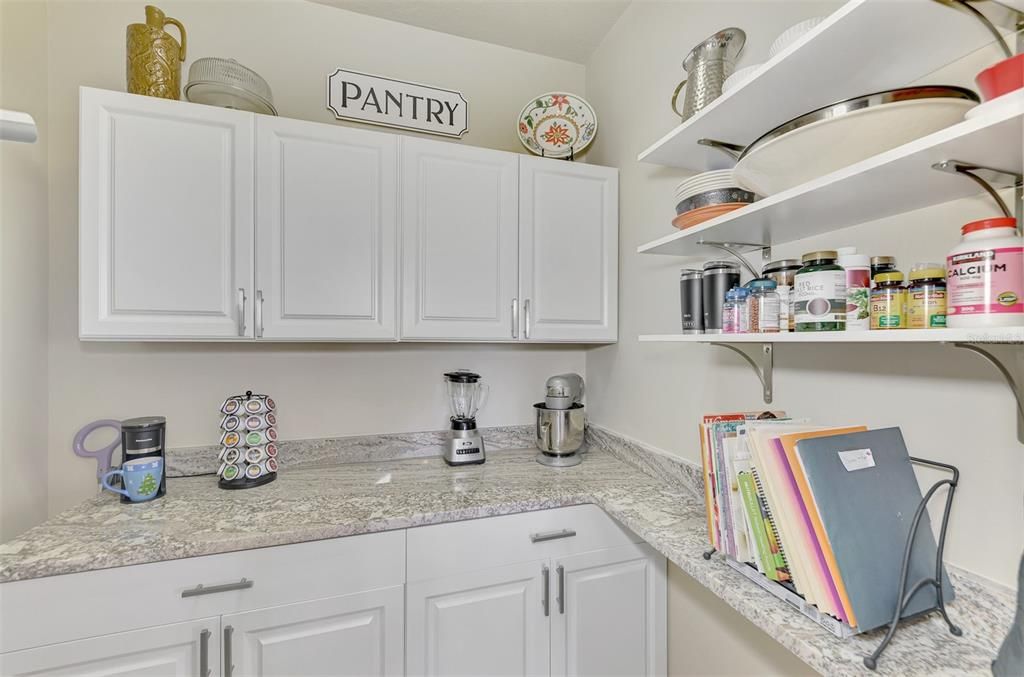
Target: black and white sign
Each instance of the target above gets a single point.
(395, 103)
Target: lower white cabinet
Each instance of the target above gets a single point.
(180, 649)
(358, 634)
(569, 606)
(609, 611)
(487, 622)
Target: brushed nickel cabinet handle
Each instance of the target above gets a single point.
(204, 653)
(515, 318)
(259, 313)
(526, 324)
(545, 599)
(561, 589)
(201, 589)
(229, 666)
(552, 535)
(241, 311)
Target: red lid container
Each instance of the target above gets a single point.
(985, 224)
(1002, 78)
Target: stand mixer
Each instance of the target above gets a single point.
(561, 422)
(466, 396)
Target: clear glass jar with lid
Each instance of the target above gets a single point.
(763, 306)
(819, 302)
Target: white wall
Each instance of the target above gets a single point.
(321, 389)
(951, 405)
(23, 280)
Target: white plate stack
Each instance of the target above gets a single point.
(703, 182)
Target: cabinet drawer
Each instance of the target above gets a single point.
(446, 549)
(61, 608)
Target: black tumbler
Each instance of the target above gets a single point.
(691, 300)
(719, 277)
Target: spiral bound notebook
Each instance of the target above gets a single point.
(866, 493)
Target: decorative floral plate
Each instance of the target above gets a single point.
(555, 123)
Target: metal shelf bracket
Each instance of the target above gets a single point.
(1011, 365)
(733, 150)
(762, 360)
(990, 179)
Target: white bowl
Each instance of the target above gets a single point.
(791, 34)
(825, 146)
(734, 80)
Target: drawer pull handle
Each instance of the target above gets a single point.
(201, 589)
(229, 662)
(552, 535)
(545, 601)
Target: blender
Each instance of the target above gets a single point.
(466, 395)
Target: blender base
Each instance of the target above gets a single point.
(559, 460)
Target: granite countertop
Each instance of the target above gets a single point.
(197, 518)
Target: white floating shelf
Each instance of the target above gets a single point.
(994, 335)
(897, 181)
(865, 46)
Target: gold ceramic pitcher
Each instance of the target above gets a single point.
(155, 57)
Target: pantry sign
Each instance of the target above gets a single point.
(395, 103)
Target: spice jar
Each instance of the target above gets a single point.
(882, 264)
(888, 302)
(784, 274)
(734, 311)
(819, 302)
(763, 307)
(985, 275)
(926, 297)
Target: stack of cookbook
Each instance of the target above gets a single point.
(818, 516)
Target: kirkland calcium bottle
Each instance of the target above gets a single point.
(985, 276)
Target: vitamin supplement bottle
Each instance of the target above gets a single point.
(882, 264)
(926, 297)
(888, 302)
(763, 307)
(784, 273)
(985, 276)
(819, 293)
(734, 311)
(858, 288)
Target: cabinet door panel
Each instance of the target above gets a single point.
(166, 218)
(163, 651)
(487, 622)
(611, 619)
(568, 219)
(358, 634)
(326, 214)
(459, 239)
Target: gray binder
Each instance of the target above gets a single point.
(867, 494)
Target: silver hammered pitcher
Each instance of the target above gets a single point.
(707, 66)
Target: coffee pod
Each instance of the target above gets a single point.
(269, 465)
(271, 434)
(230, 423)
(257, 404)
(271, 449)
(260, 421)
(232, 455)
(253, 471)
(255, 438)
(254, 454)
(230, 439)
(232, 405)
(230, 472)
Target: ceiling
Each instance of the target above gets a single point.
(565, 29)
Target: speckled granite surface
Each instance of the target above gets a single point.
(191, 461)
(196, 518)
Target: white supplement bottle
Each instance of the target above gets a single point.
(985, 276)
(858, 288)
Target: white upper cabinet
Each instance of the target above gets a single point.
(459, 242)
(326, 226)
(166, 218)
(568, 250)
